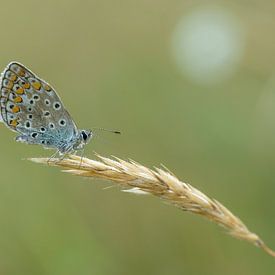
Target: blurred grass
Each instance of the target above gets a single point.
(111, 63)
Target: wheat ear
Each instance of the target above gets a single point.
(134, 177)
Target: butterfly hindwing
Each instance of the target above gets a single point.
(31, 107)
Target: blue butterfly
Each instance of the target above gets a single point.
(33, 109)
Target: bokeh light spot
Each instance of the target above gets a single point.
(208, 45)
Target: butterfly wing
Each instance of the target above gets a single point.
(31, 107)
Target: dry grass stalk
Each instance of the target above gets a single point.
(136, 178)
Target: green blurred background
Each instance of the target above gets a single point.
(191, 84)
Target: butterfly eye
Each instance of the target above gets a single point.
(84, 135)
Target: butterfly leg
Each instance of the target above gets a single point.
(52, 157)
(81, 155)
(61, 153)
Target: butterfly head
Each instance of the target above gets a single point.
(84, 136)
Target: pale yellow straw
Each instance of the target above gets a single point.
(136, 178)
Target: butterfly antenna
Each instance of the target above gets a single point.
(107, 130)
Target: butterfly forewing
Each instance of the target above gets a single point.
(30, 106)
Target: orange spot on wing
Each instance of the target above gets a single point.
(18, 99)
(9, 85)
(27, 85)
(20, 91)
(47, 88)
(22, 72)
(13, 77)
(15, 109)
(36, 85)
(14, 122)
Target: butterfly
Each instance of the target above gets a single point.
(33, 109)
